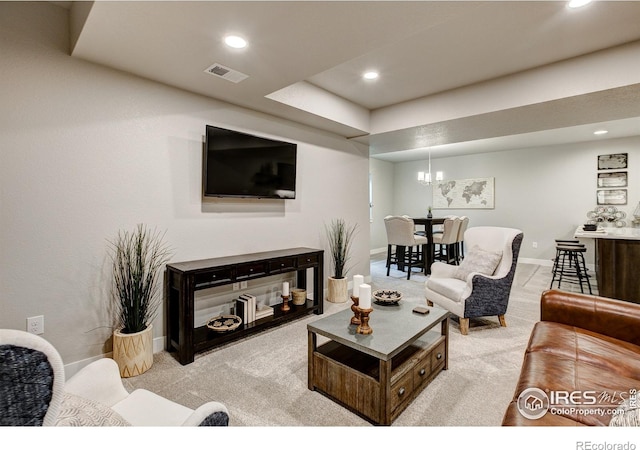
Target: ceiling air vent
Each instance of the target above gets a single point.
(225, 72)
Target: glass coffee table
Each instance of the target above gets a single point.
(378, 375)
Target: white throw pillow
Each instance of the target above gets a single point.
(626, 415)
(77, 411)
(478, 260)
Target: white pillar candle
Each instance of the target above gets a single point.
(285, 288)
(365, 296)
(357, 281)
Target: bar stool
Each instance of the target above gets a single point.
(570, 266)
(563, 242)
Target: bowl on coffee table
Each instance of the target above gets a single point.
(387, 296)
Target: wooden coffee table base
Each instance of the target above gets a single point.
(376, 389)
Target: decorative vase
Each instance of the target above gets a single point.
(133, 352)
(338, 290)
(429, 215)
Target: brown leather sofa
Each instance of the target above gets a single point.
(583, 356)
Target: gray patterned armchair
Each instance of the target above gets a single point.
(480, 286)
(33, 392)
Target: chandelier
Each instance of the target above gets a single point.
(424, 178)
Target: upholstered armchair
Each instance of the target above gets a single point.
(480, 286)
(31, 380)
(33, 392)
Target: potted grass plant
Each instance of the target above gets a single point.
(340, 237)
(138, 257)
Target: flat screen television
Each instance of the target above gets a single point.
(237, 164)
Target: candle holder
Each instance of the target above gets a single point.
(355, 320)
(364, 327)
(285, 303)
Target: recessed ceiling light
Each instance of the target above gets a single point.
(235, 41)
(600, 132)
(578, 3)
(371, 75)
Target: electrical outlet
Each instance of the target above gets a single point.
(535, 245)
(236, 286)
(243, 285)
(35, 324)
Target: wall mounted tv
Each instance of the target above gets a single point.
(242, 165)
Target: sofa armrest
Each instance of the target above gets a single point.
(610, 317)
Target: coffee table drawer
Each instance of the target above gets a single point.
(422, 372)
(401, 391)
(438, 356)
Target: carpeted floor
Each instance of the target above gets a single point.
(263, 379)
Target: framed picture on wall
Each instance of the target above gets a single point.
(614, 161)
(612, 196)
(612, 179)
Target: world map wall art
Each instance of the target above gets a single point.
(474, 193)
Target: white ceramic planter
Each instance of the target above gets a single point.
(338, 290)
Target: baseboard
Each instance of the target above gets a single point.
(539, 262)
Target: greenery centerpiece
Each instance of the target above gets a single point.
(137, 258)
(340, 238)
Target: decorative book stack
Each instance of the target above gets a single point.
(264, 311)
(246, 307)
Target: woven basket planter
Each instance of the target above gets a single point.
(133, 352)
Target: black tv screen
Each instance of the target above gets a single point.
(236, 164)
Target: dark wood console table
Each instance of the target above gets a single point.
(184, 278)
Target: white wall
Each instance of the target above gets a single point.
(382, 176)
(545, 191)
(86, 151)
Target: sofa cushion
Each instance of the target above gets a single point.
(565, 359)
(451, 288)
(478, 260)
(551, 372)
(613, 355)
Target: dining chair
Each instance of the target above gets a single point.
(401, 242)
(446, 241)
(464, 224)
(440, 228)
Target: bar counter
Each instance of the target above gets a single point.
(617, 261)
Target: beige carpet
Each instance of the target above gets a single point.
(263, 379)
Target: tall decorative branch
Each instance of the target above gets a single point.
(340, 237)
(138, 258)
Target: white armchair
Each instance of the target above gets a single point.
(34, 392)
(100, 381)
(480, 286)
